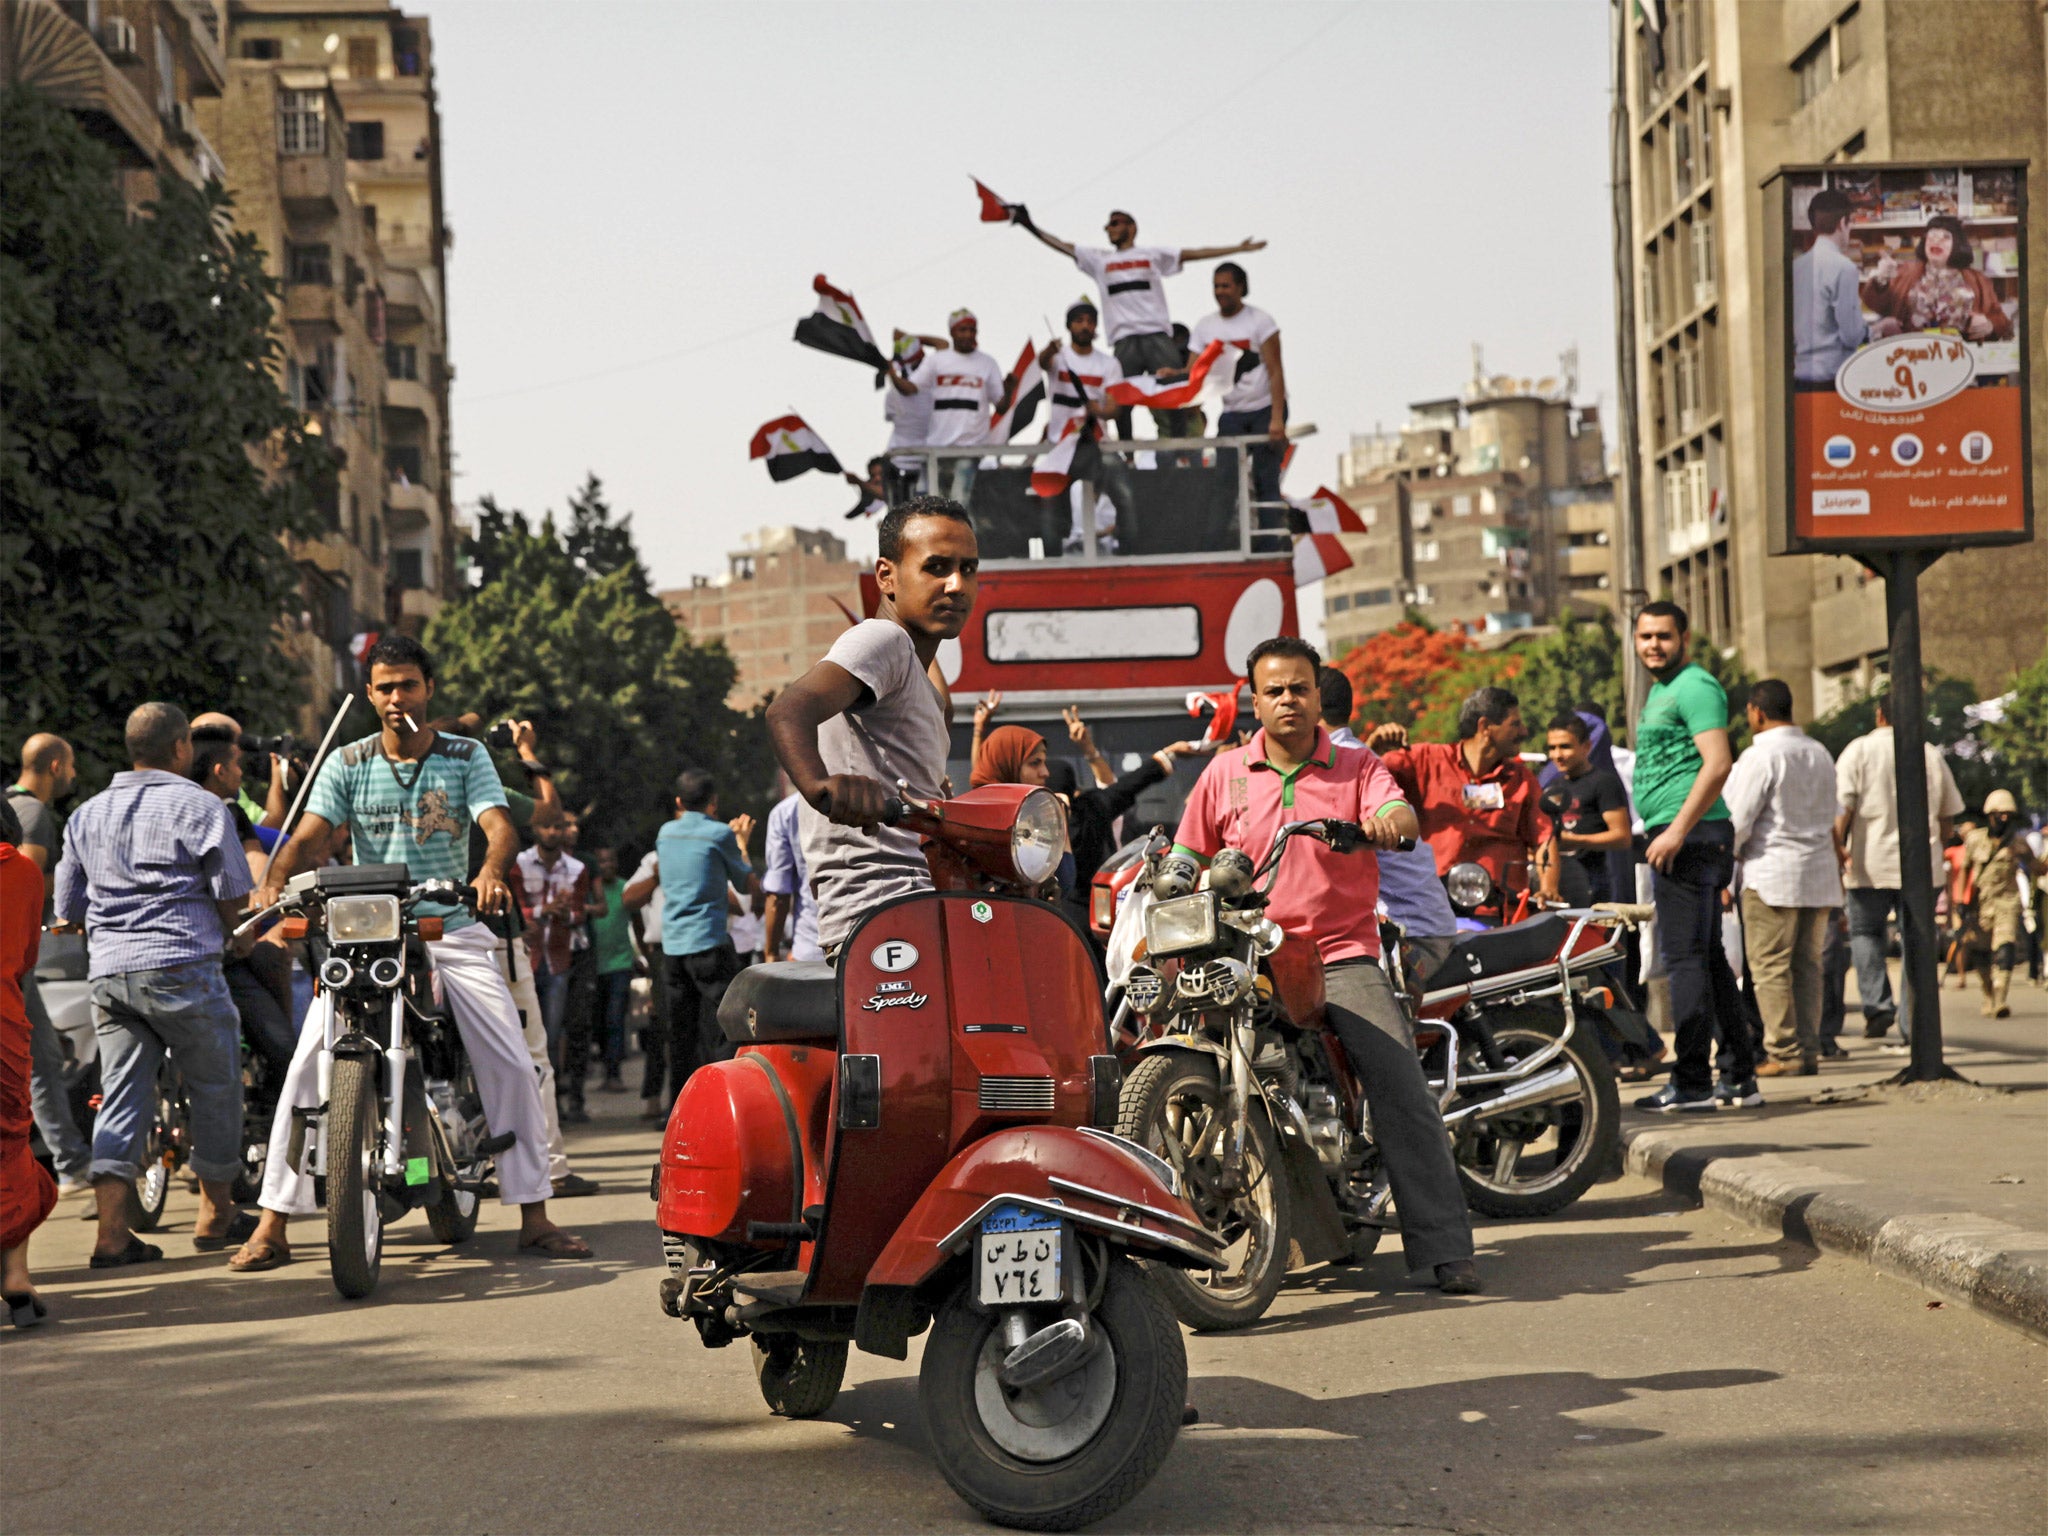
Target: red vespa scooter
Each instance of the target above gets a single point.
(918, 1139)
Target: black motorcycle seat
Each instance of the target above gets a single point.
(1496, 952)
(791, 1000)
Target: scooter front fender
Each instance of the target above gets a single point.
(1101, 1183)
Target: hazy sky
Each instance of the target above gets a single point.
(641, 194)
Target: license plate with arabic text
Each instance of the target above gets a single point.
(1020, 1257)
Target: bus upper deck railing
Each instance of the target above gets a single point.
(1175, 499)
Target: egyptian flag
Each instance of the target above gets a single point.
(1324, 512)
(790, 448)
(1051, 473)
(995, 211)
(1221, 709)
(1146, 390)
(1317, 555)
(1024, 403)
(836, 326)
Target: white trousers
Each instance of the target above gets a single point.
(528, 1003)
(466, 966)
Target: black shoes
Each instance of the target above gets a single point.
(1460, 1277)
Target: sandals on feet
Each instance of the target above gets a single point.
(254, 1258)
(241, 1227)
(558, 1245)
(25, 1309)
(137, 1252)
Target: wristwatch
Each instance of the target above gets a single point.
(536, 769)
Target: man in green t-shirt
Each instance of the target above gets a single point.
(1682, 760)
(611, 936)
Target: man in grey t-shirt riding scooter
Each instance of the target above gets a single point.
(874, 712)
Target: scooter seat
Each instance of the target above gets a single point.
(1496, 952)
(792, 1000)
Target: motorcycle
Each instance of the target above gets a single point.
(399, 1125)
(921, 1138)
(1240, 1083)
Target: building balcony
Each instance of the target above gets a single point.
(417, 603)
(313, 307)
(409, 507)
(1586, 560)
(407, 300)
(54, 55)
(312, 186)
(411, 397)
(400, 167)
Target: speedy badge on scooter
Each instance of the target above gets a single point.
(982, 912)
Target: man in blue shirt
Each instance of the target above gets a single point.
(1827, 314)
(154, 871)
(697, 857)
(787, 883)
(409, 795)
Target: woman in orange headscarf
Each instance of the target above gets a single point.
(27, 1192)
(1010, 755)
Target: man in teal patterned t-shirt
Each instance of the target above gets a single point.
(408, 796)
(1682, 760)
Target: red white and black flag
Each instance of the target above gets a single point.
(995, 211)
(837, 326)
(1028, 397)
(1325, 512)
(1051, 473)
(1317, 555)
(1147, 390)
(790, 447)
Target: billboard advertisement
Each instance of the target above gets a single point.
(1901, 322)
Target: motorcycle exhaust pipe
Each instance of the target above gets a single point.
(1552, 1087)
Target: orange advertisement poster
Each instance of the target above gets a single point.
(1953, 468)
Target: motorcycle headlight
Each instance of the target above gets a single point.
(1185, 923)
(1038, 837)
(1144, 988)
(1468, 886)
(362, 919)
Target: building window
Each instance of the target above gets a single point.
(1429, 549)
(1852, 146)
(1341, 603)
(1424, 596)
(1461, 506)
(301, 123)
(402, 360)
(366, 141)
(1419, 513)
(1848, 39)
(1375, 597)
(1815, 69)
(311, 264)
(408, 569)
(403, 463)
(1702, 262)
(405, 49)
(362, 58)
(262, 48)
(166, 74)
(1683, 169)
(370, 220)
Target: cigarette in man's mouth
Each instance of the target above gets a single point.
(410, 723)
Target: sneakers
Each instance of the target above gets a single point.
(1895, 1048)
(1742, 1095)
(1672, 1098)
(1832, 1052)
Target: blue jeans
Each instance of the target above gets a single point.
(1703, 995)
(188, 1011)
(553, 993)
(1870, 911)
(49, 1102)
(614, 995)
(1266, 458)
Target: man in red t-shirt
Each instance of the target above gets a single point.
(1291, 771)
(1477, 803)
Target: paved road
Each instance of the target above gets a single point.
(1641, 1367)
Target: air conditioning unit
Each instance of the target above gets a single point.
(181, 122)
(117, 41)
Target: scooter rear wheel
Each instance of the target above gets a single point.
(799, 1377)
(1121, 1411)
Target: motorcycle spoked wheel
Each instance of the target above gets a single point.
(1174, 1104)
(452, 1218)
(1064, 1455)
(1539, 1161)
(355, 1132)
(799, 1377)
(152, 1187)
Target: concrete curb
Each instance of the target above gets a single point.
(1999, 1269)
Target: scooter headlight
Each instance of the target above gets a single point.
(1038, 838)
(336, 973)
(362, 919)
(1177, 926)
(1468, 886)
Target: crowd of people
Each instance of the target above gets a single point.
(1781, 866)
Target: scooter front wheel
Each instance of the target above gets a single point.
(1064, 1454)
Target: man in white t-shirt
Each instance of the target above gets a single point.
(963, 386)
(1256, 397)
(1131, 278)
(1078, 375)
(909, 417)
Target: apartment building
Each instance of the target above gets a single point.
(1742, 90)
(785, 596)
(131, 70)
(1490, 508)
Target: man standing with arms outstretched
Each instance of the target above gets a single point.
(1131, 278)
(1682, 760)
(408, 796)
(871, 713)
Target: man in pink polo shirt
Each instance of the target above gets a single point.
(1292, 771)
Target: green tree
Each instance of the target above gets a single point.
(2018, 743)
(1581, 662)
(622, 698)
(148, 461)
